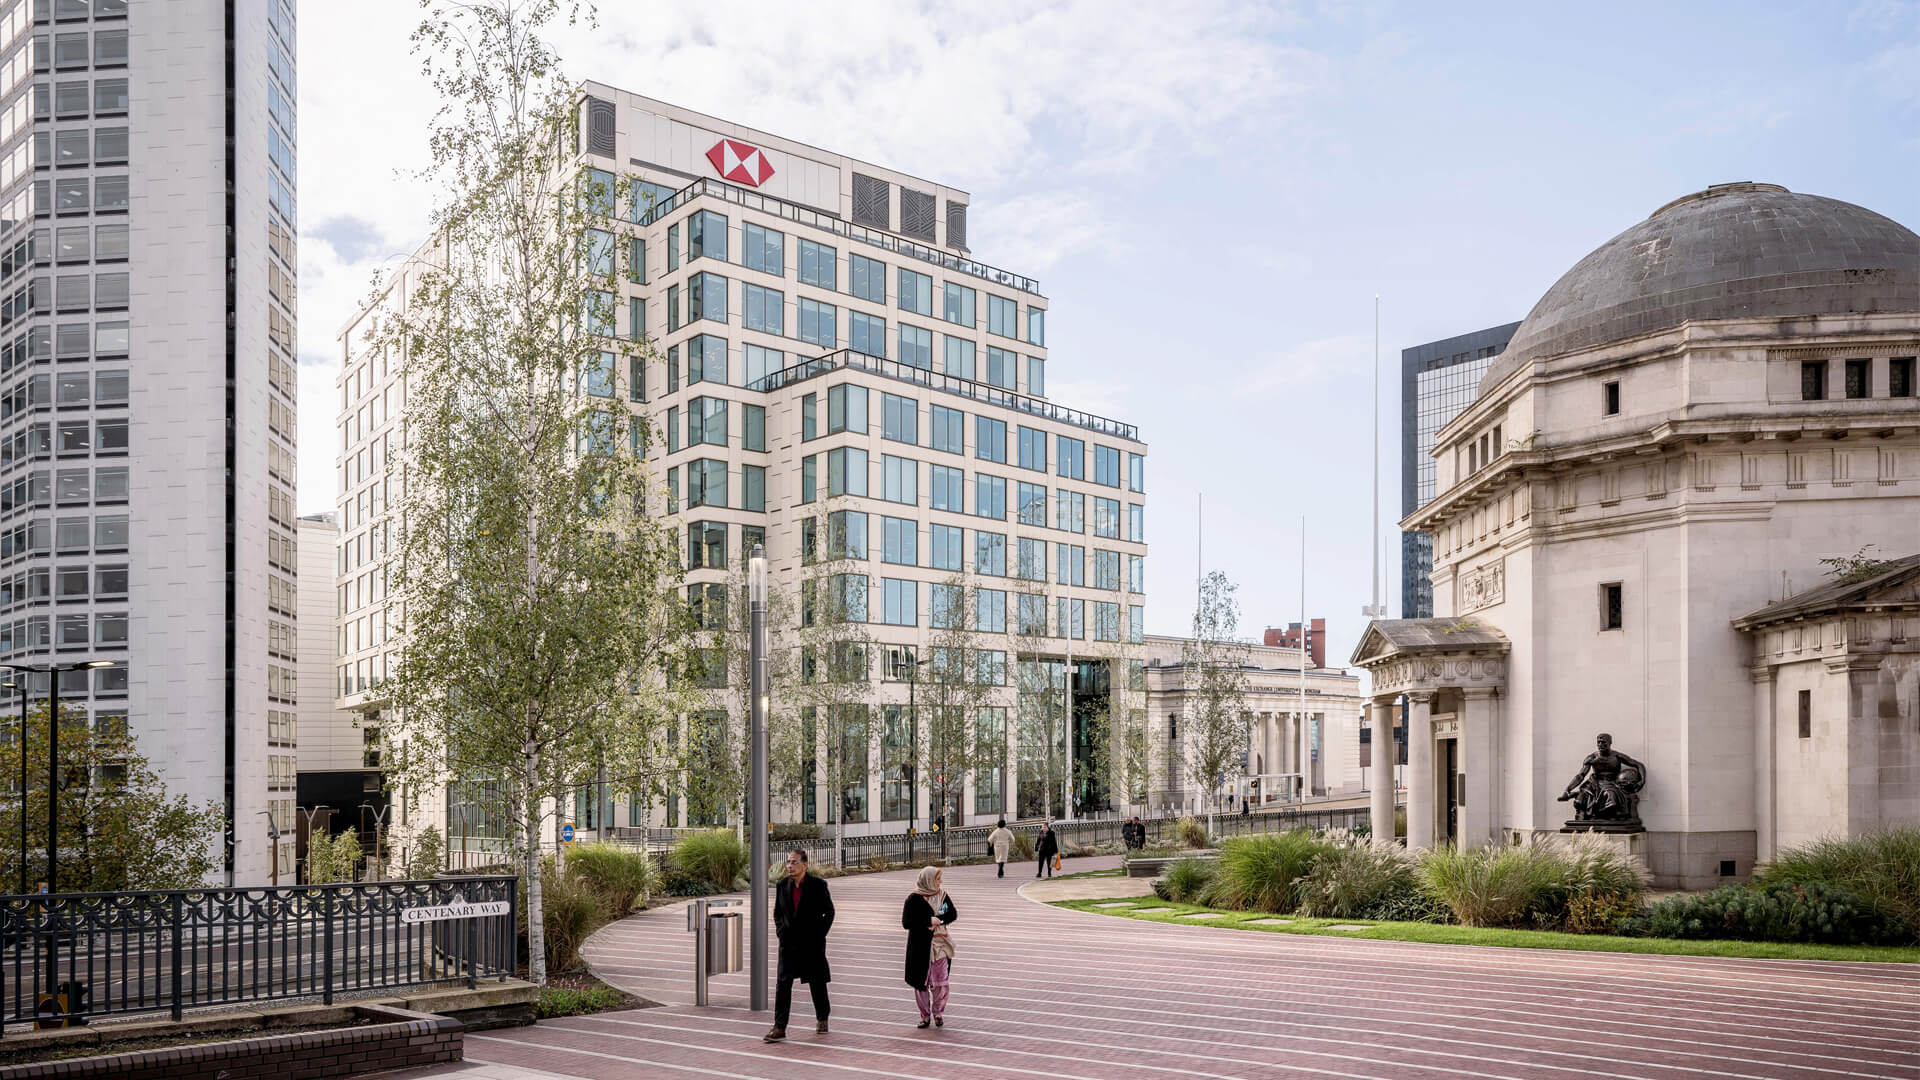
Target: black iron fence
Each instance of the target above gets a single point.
(70, 956)
(971, 841)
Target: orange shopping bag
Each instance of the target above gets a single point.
(1056, 862)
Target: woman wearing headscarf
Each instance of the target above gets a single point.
(929, 948)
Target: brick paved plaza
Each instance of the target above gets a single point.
(1044, 992)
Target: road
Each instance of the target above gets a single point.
(1049, 993)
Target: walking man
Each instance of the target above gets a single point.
(1134, 833)
(802, 915)
(1001, 841)
(1046, 848)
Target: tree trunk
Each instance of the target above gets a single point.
(536, 915)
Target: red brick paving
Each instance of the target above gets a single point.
(1041, 992)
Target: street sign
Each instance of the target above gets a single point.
(443, 912)
(566, 833)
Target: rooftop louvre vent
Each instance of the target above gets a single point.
(916, 214)
(872, 202)
(957, 226)
(600, 127)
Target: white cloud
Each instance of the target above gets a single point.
(1037, 109)
(1304, 365)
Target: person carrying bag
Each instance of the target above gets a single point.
(925, 917)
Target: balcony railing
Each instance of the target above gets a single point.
(812, 218)
(949, 384)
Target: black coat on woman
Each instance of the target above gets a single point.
(917, 919)
(1048, 847)
(803, 930)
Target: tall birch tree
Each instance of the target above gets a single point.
(542, 617)
(1216, 725)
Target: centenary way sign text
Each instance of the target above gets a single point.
(410, 916)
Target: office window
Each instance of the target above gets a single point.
(990, 553)
(899, 419)
(706, 545)
(899, 602)
(1037, 326)
(1136, 472)
(817, 322)
(1070, 457)
(848, 593)
(673, 308)
(1106, 518)
(673, 428)
(707, 297)
(846, 471)
(1031, 615)
(1036, 376)
(763, 249)
(818, 265)
(989, 496)
(637, 321)
(1106, 465)
(706, 359)
(673, 247)
(596, 252)
(753, 487)
(1806, 714)
(706, 236)
(1072, 619)
(990, 439)
(899, 541)
(1031, 561)
(753, 427)
(846, 535)
(1030, 503)
(1002, 315)
(636, 260)
(1813, 380)
(916, 347)
(1106, 570)
(809, 477)
(1106, 621)
(1001, 368)
(760, 362)
(990, 611)
(916, 292)
(809, 417)
(1032, 445)
(866, 333)
(945, 607)
(900, 480)
(959, 357)
(1136, 523)
(1136, 574)
(766, 309)
(867, 278)
(847, 409)
(707, 483)
(707, 603)
(1612, 613)
(1859, 378)
(943, 543)
(1070, 510)
(1070, 564)
(1136, 624)
(946, 488)
(1900, 376)
(957, 304)
(947, 427)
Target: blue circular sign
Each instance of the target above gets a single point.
(566, 833)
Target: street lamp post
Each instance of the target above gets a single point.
(273, 842)
(757, 801)
(19, 686)
(53, 762)
(913, 764)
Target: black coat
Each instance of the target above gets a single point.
(917, 920)
(803, 932)
(1048, 845)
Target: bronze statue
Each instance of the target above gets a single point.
(1606, 790)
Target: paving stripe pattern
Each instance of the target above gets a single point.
(1043, 992)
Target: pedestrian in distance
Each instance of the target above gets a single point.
(1134, 834)
(1046, 848)
(1001, 841)
(802, 915)
(925, 917)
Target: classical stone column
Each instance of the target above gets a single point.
(1862, 741)
(1420, 785)
(1380, 775)
(1479, 719)
(1766, 731)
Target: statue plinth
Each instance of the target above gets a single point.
(1628, 825)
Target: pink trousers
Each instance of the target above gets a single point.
(933, 1000)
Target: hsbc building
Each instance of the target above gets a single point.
(828, 358)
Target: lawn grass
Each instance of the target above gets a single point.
(1116, 872)
(1439, 934)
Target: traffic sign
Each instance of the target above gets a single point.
(566, 833)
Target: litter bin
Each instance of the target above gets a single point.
(724, 934)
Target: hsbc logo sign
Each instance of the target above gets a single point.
(740, 163)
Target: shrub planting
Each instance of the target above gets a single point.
(619, 875)
(571, 911)
(1781, 911)
(1263, 873)
(1880, 869)
(715, 856)
(1353, 879)
(1189, 833)
(1023, 848)
(1187, 881)
(1531, 886)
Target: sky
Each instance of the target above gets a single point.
(1211, 193)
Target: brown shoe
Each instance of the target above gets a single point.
(821, 1027)
(775, 1035)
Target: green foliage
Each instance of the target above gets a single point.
(1216, 723)
(1881, 868)
(571, 913)
(1784, 911)
(715, 856)
(557, 1001)
(1354, 879)
(1599, 913)
(1858, 566)
(676, 882)
(1532, 885)
(332, 859)
(1187, 881)
(1263, 873)
(1023, 848)
(1190, 833)
(428, 856)
(1161, 889)
(619, 875)
(786, 832)
(118, 829)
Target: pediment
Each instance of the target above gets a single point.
(1895, 585)
(1388, 639)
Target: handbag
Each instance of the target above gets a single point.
(1056, 860)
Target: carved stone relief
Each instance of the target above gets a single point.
(1481, 587)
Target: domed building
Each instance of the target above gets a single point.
(1683, 512)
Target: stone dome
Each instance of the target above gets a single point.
(1733, 251)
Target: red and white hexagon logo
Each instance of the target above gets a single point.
(740, 163)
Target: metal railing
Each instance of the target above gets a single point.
(839, 226)
(950, 384)
(971, 841)
(70, 956)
